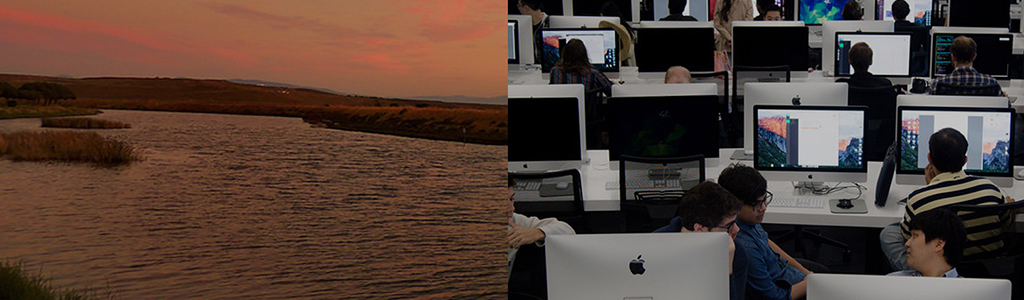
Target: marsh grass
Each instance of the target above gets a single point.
(83, 123)
(69, 146)
(38, 111)
(16, 283)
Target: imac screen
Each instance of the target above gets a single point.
(815, 12)
(820, 137)
(993, 57)
(513, 42)
(890, 53)
(543, 129)
(988, 132)
(600, 45)
(667, 126)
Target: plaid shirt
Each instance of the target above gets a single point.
(963, 76)
(593, 81)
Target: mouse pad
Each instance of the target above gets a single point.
(551, 190)
(859, 207)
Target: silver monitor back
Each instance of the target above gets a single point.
(876, 287)
(578, 21)
(783, 93)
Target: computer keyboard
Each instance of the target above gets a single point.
(798, 202)
(527, 186)
(643, 184)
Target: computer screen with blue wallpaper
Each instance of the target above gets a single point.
(815, 12)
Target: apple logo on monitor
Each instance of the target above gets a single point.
(796, 100)
(637, 266)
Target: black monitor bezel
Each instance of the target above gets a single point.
(864, 162)
(899, 136)
(643, 67)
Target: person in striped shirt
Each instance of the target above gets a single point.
(947, 185)
(575, 67)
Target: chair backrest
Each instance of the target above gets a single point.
(1006, 213)
(652, 187)
(943, 88)
(881, 131)
(549, 200)
(744, 73)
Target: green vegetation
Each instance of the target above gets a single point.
(45, 92)
(69, 146)
(83, 123)
(16, 284)
(38, 111)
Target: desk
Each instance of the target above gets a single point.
(597, 173)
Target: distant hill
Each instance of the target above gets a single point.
(503, 100)
(278, 84)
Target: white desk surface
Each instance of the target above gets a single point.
(596, 197)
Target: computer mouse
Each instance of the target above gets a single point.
(845, 204)
(562, 185)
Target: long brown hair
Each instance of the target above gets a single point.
(574, 58)
(724, 13)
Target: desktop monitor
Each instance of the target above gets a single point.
(579, 21)
(815, 12)
(828, 38)
(892, 57)
(513, 42)
(638, 266)
(546, 125)
(811, 143)
(995, 50)
(551, 7)
(600, 43)
(660, 45)
(523, 37)
(593, 8)
(664, 120)
(807, 93)
(877, 287)
(762, 44)
(920, 11)
(979, 13)
(989, 134)
(694, 8)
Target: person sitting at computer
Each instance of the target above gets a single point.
(853, 11)
(574, 67)
(761, 5)
(675, 11)
(963, 51)
(707, 207)
(935, 246)
(677, 74)
(861, 58)
(535, 9)
(772, 13)
(919, 38)
(727, 11)
(772, 273)
(523, 230)
(947, 185)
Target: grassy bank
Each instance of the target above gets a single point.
(67, 146)
(17, 284)
(40, 111)
(83, 123)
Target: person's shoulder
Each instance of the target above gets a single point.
(903, 273)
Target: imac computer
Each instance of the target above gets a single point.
(600, 43)
(920, 11)
(804, 93)
(989, 134)
(811, 143)
(828, 38)
(979, 13)
(664, 120)
(593, 8)
(546, 125)
(877, 287)
(523, 36)
(694, 8)
(660, 45)
(579, 21)
(788, 40)
(995, 50)
(638, 266)
(815, 12)
(891, 59)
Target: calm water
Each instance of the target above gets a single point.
(244, 207)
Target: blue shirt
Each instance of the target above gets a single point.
(768, 274)
(738, 278)
(951, 274)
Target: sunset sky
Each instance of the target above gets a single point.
(390, 48)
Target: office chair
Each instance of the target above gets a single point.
(650, 188)
(528, 278)
(798, 234)
(1008, 261)
(881, 115)
(730, 132)
(761, 74)
(550, 202)
(943, 88)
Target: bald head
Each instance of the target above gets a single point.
(677, 74)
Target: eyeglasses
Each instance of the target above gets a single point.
(767, 200)
(728, 226)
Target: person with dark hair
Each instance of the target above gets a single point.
(727, 11)
(523, 230)
(772, 13)
(762, 8)
(853, 11)
(861, 58)
(675, 11)
(610, 9)
(919, 38)
(772, 273)
(947, 185)
(935, 247)
(535, 9)
(963, 51)
(575, 67)
(707, 207)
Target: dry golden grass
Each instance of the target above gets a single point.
(69, 146)
(84, 123)
(36, 111)
(486, 126)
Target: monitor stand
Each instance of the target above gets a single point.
(741, 155)
(807, 187)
